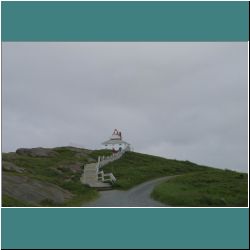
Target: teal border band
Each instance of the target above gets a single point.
(124, 21)
(125, 228)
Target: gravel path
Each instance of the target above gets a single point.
(139, 196)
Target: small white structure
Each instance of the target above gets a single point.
(115, 142)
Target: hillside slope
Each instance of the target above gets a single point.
(51, 177)
(194, 185)
(134, 168)
(46, 177)
(213, 187)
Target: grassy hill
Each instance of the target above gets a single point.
(134, 168)
(213, 187)
(51, 177)
(194, 185)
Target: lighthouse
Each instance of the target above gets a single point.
(115, 142)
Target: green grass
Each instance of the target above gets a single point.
(45, 168)
(210, 188)
(8, 201)
(135, 168)
(94, 154)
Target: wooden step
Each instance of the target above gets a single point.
(99, 185)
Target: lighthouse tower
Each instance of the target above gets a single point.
(115, 142)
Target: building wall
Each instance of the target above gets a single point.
(115, 146)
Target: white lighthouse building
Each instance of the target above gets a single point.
(115, 142)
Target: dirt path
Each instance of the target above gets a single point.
(139, 196)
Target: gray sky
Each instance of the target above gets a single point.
(185, 101)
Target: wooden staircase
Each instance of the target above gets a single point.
(94, 177)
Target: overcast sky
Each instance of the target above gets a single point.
(185, 101)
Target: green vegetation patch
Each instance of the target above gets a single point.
(210, 188)
(135, 168)
(101, 152)
(8, 201)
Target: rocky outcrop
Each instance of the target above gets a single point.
(37, 152)
(11, 167)
(33, 191)
(74, 168)
(33, 175)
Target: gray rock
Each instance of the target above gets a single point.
(8, 166)
(33, 191)
(37, 152)
(74, 168)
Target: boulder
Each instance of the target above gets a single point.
(74, 168)
(37, 152)
(33, 191)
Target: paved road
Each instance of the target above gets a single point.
(138, 196)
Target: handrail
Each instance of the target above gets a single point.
(110, 177)
(101, 162)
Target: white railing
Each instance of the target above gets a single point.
(106, 177)
(102, 160)
(92, 171)
(110, 177)
(101, 176)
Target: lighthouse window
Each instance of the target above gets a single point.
(120, 144)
